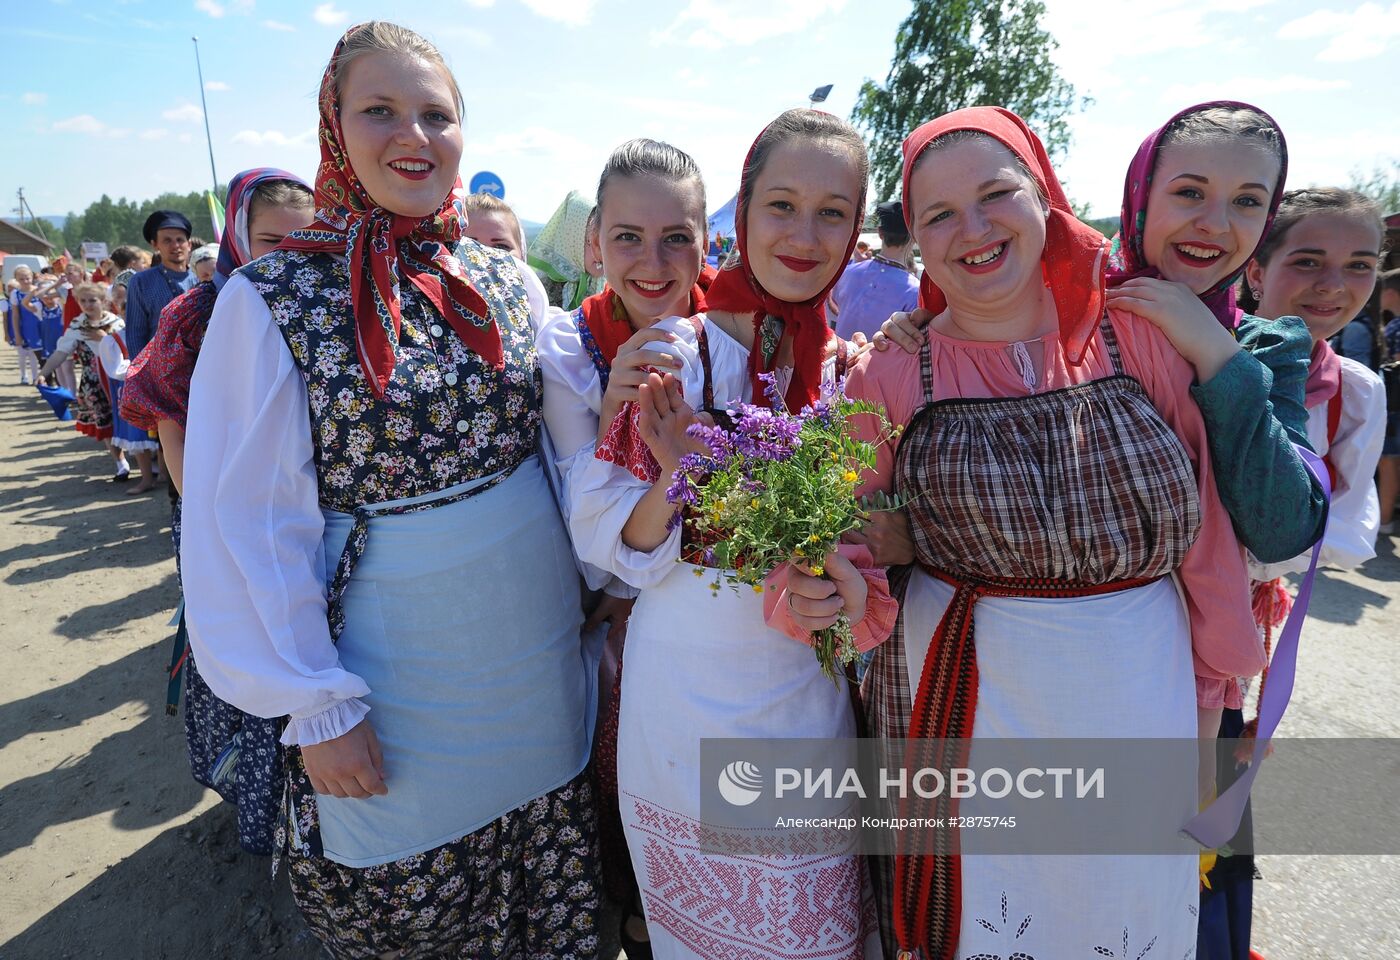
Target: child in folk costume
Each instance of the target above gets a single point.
(92, 407)
(108, 343)
(362, 501)
(648, 237)
(264, 205)
(1021, 363)
(698, 665)
(23, 325)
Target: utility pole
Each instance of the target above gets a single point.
(209, 139)
(24, 206)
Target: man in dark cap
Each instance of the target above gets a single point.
(870, 290)
(147, 293)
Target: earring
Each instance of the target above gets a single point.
(1254, 292)
(597, 264)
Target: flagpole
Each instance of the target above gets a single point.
(208, 138)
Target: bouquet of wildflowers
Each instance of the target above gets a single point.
(777, 486)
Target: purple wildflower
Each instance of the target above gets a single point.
(770, 390)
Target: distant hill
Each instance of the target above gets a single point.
(57, 221)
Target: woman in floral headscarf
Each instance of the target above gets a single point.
(233, 753)
(361, 489)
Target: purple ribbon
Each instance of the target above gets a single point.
(1216, 824)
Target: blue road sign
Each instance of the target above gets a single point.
(488, 182)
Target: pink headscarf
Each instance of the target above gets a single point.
(1128, 260)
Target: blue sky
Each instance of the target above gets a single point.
(101, 96)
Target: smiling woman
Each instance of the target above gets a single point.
(386, 370)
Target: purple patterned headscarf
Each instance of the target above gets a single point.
(1127, 260)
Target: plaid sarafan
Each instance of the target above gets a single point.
(1083, 485)
(1067, 492)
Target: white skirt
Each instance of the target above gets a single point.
(1107, 666)
(699, 666)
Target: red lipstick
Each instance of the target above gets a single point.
(412, 174)
(800, 264)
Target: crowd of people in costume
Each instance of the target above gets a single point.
(447, 651)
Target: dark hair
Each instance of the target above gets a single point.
(644, 157)
(805, 124)
(1215, 124)
(1390, 280)
(279, 193)
(125, 255)
(1297, 204)
(891, 237)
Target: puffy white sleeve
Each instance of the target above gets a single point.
(605, 494)
(114, 362)
(573, 398)
(251, 554)
(1354, 517)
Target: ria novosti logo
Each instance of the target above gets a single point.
(740, 783)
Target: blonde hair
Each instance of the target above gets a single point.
(83, 289)
(381, 36)
(490, 203)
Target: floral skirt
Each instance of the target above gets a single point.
(92, 408)
(524, 886)
(238, 756)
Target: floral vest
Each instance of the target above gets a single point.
(446, 417)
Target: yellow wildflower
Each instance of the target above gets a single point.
(818, 570)
(849, 476)
(758, 588)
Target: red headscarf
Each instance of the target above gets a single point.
(382, 246)
(736, 290)
(1073, 261)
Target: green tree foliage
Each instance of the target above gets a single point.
(1382, 185)
(951, 54)
(116, 222)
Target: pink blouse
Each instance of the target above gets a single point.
(1213, 577)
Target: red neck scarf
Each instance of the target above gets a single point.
(1324, 375)
(383, 247)
(606, 316)
(736, 290)
(1074, 258)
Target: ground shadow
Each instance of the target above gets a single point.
(214, 901)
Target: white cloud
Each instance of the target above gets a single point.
(716, 24)
(1358, 34)
(186, 138)
(273, 138)
(480, 4)
(155, 133)
(215, 86)
(327, 14)
(184, 113)
(211, 7)
(1249, 88)
(279, 25)
(82, 123)
(34, 99)
(575, 13)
